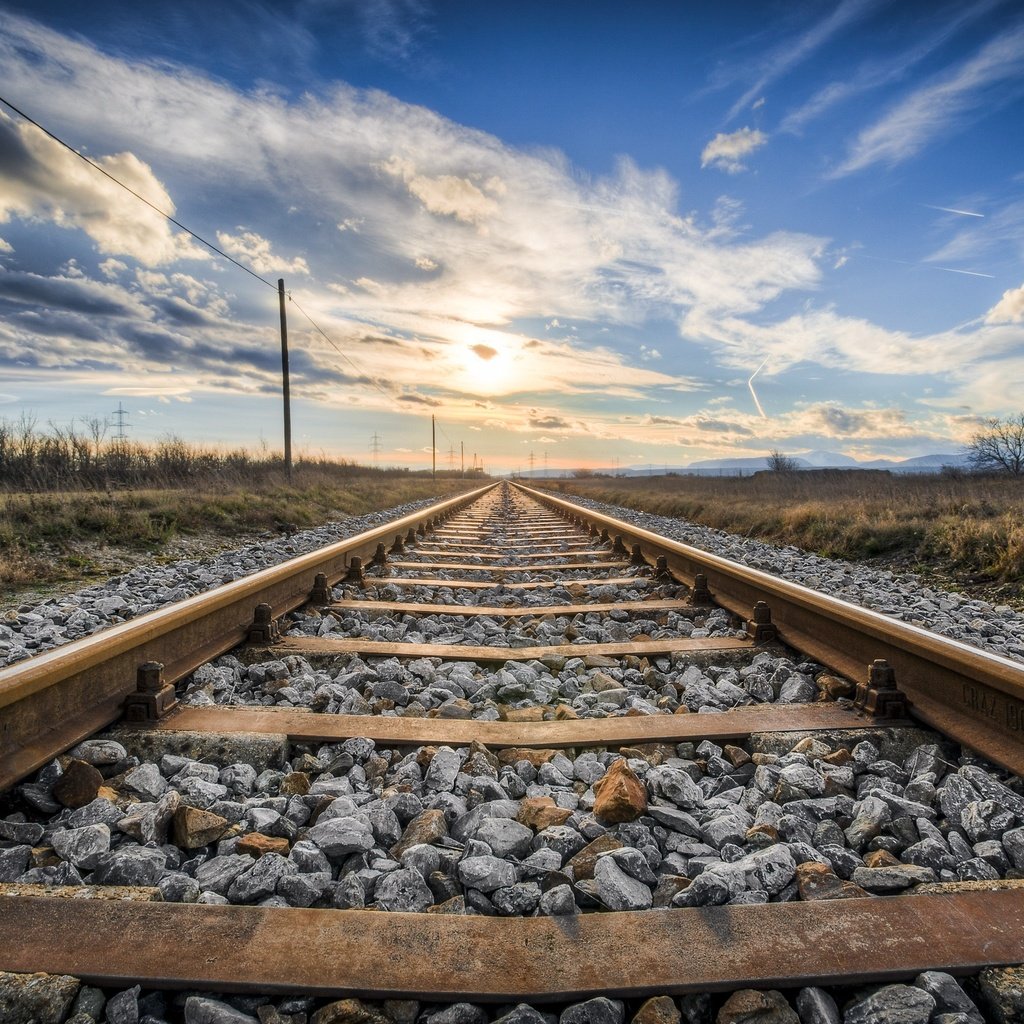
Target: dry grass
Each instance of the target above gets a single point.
(969, 529)
(68, 537)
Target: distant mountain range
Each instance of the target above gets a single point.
(805, 460)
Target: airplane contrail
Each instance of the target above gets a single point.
(972, 273)
(750, 384)
(953, 209)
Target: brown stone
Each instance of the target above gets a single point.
(833, 687)
(193, 827)
(736, 756)
(621, 796)
(510, 755)
(538, 812)
(601, 681)
(668, 886)
(583, 863)
(426, 827)
(349, 1011)
(819, 882)
(402, 1011)
(534, 714)
(295, 784)
(455, 906)
(880, 859)
(111, 794)
(759, 757)
(425, 755)
(564, 713)
(78, 785)
(477, 749)
(763, 835)
(681, 710)
(749, 1006)
(1002, 994)
(256, 844)
(653, 753)
(43, 857)
(658, 1010)
(458, 709)
(838, 757)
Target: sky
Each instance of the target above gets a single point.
(578, 233)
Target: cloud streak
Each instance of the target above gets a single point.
(938, 108)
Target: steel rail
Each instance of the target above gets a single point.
(52, 701)
(971, 695)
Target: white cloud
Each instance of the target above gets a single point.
(1009, 309)
(794, 51)
(254, 251)
(426, 263)
(110, 268)
(937, 108)
(41, 179)
(727, 151)
(6, 246)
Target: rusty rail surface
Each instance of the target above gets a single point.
(968, 694)
(441, 957)
(52, 701)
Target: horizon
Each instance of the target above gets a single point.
(637, 237)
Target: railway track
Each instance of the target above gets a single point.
(572, 762)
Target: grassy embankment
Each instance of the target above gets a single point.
(965, 531)
(68, 518)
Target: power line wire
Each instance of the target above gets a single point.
(142, 199)
(199, 238)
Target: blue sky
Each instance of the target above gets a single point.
(568, 229)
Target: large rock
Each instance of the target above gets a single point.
(893, 1004)
(36, 998)
(338, 837)
(538, 812)
(658, 1010)
(78, 785)
(486, 873)
(403, 890)
(349, 1011)
(195, 828)
(617, 890)
(1002, 990)
(83, 846)
(750, 1006)
(621, 796)
(426, 827)
(505, 837)
(202, 1010)
(594, 1011)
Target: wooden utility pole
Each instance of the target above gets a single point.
(433, 448)
(284, 383)
(462, 446)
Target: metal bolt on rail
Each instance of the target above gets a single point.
(619, 546)
(398, 548)
(637, 556)
(879, 696)
(760, 626)
(154, 698)
(263, 629)
(700, 594)
(594, 531)
(380, 556)
(605, 538)
(321, 593)
(410, 537)
(355, 572)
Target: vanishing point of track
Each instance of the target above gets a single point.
(488, 540)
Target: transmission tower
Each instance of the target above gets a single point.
(532, 459)
(120, 423)
(375, 442)
(451, 456)
(545, 462)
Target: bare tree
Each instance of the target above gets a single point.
(779, 463)
(999, 447)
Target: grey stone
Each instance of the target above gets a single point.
(146, 781)
(83, 846)
(458, 1013)
(129, 865)
(217, 874)
(892, 878)
(558, 901)
(404, 890)
(893, 1004)
(444, 767)
(619, 891)
(90, 1002)
(816, 1006)
(338, 837)
(14, 862)
(123, 1008)
(486, 873)
(261, 880)
(523, 1013)
(517, 900)
(594, 1011)
(202, 1010)
(948, 995)
(36, 998)
(99, 752)
(505, 837)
